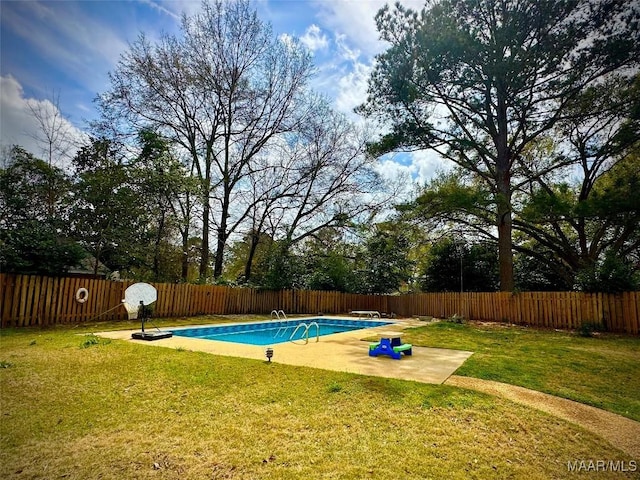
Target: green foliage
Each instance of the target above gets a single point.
(581, 234)
(282, 269)
(550, 205)
(494, 73)
(331, 272)
(34, 235)
(379, 264)
(162, 183)
(167, 269)
(35, 248)
(543, 272)
(587, 329)
(108, 216)
(236, 267)
(335, 388)
(385, 262)
(91, 340)
(611, 275)
(448, 196)
(450, 259)
(615, 192)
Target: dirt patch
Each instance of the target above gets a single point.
(621, 432)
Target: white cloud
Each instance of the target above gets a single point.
(162, 9)
(19, 126)
(345, 77)
(352, 88)
(288, 40)
(390, 169)
(412, 168)
(356, 41)
(345, 52)
(314, 39)
(427, 163)
(354, 19)
(398, 177)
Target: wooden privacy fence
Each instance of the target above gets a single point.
(32, 300)
(565, 310)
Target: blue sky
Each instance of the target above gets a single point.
(67, 48)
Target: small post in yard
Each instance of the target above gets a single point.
(141, 314)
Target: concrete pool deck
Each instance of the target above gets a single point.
(343, 352)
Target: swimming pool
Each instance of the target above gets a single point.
(272, 332)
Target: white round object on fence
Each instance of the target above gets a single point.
(82, 295)
(140, 292)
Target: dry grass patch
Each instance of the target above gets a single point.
(119, 410)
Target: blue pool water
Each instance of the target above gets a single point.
(272, 332)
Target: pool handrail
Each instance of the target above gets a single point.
(306, 328)
(317, 331)
(306, 331)
(278, 312)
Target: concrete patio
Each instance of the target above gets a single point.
(344, 352)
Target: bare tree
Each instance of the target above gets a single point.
(323, 179)
(54, 135)
(334, 177)
(266, 194)
(223, 91)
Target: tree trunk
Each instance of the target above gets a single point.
(184, 274)
(204, 256)
(96, 263)
(156, 249)
(206, 211)
(255, 239)
(222, 240)
(503, 221)
(222, 234)
(503, 190)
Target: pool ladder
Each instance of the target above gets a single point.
(305, 334)
(277, 314)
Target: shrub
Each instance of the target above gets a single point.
(588, 328)
(612, 275)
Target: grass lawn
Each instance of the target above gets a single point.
(75, 406)
(603, 371)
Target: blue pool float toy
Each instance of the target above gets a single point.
(392, 347)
